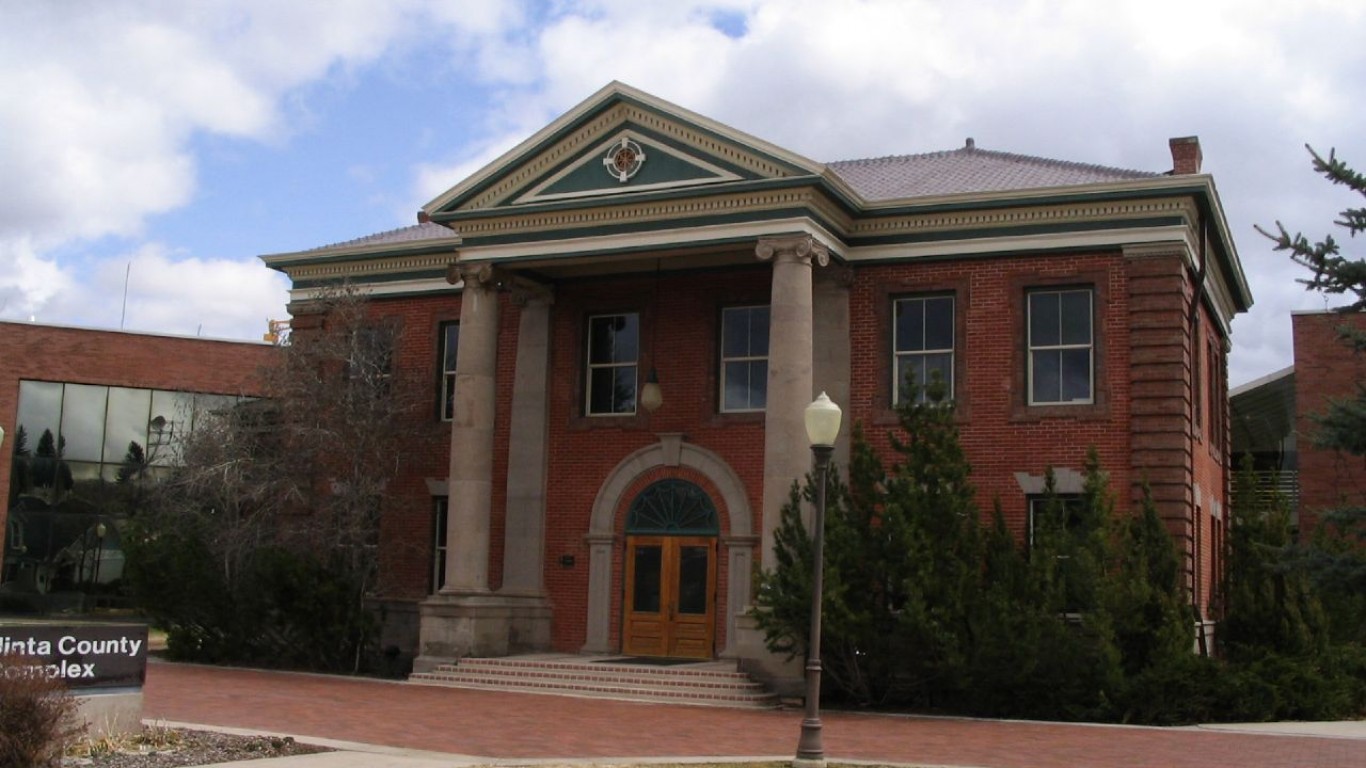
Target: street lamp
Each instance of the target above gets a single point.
(822, 427)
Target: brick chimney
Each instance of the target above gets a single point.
(1186, 155)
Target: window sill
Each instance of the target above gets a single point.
(1081, 411)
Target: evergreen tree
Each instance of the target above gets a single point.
(1270, 608)
(902, 567)
(932, 521)
(1077, 670)
(1336, 558)
(1147, 602)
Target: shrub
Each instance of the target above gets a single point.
(37, 714)
(279, 609)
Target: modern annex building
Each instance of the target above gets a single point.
(1274, 420)
(624, 317)
(89, 416)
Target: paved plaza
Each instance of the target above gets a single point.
(406, 725)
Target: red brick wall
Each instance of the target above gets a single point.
(1140, 423)
(406, 525)
(1325, 370)
(680, 338)
(1001, 434)
(117, 359)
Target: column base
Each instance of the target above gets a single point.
(455, 626)
(783, 676)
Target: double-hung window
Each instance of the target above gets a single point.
(922, 345)
(440, 509)
(1061, 347)
(744, 358)
(613, 360)
(450, 343)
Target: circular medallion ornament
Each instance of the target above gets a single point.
(624, 159)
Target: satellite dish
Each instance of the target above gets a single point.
(158, 423)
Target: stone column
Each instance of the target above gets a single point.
(787, 457)
(471, 468)
(524, 536)
(465, 618)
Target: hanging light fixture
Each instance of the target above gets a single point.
(651, 396)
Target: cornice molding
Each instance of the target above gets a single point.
(395, 288)
(598, 246)
(1022, 215)
(284, 261)
(510, 222)
(326, 269)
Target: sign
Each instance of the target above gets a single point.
(80, 655)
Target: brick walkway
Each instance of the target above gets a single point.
(507, 725)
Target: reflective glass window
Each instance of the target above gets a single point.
(83, 412)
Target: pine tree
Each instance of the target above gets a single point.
(902, 567)
(1270, 608)
(932, 521)
(1337, 558)
(1147, 602)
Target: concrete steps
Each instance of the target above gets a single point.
(708, 683)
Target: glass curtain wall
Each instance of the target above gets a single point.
(82, 456)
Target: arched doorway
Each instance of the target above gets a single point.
(669, 607)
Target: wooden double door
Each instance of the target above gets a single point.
(670, 601)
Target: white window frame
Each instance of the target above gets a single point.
(448, 359)
(725, 311)
(1089, 346)
(440, 521)
(925, 351)
(590, 367)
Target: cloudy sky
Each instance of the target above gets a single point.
(167, 144)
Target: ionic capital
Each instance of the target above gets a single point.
(802, 248)
(472, 275)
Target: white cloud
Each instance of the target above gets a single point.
(100, 102)
(171, 293)
(1093, 82)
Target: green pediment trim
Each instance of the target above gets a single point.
(515, 174)
(1014, 231)
(630, 161)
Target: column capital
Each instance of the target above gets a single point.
(472, 275)
(803, 248)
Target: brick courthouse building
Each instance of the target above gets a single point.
(632, 243)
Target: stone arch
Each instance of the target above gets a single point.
(738, 540)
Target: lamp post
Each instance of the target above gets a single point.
(822, 427)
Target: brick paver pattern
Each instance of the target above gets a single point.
(512, 725)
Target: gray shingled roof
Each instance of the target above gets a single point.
(956, 171)
(965, 170)
(416, 233)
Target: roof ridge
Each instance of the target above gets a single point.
(972, 149)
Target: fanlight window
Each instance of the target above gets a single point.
(672, 507)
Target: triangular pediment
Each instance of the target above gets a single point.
(630, 161)
(620, 142)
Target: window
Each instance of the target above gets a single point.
(439, 518)
(1060, 347)
(922, 345)
(1218, 382)
(450, 344)
(1066, 516)
(369, 364)
(613, 357)
(744, 358)
(1196, 377)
